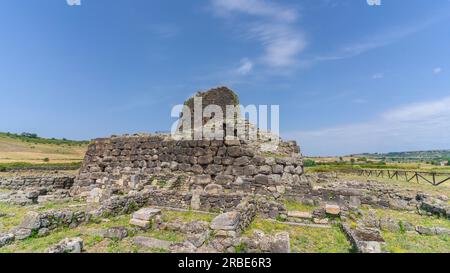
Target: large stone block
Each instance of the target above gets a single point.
(31, 221)
(146, 214)
(226, 221)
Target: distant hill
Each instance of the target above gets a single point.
(432, 156)
(28, 147)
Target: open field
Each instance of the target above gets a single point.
(15, 149)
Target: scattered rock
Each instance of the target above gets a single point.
(146, 214)
(6, 239)
(332, 209)
(365, 240)
(43, 232)
(281, 243)
(213, 189)
(31, 221)
(115, 233)
(389, 224)
(226, 221)
(140, 223)
(148, 242)
(68, 245)
(300, 214)
(22, 233)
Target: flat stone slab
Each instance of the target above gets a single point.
(366, 240)
(226, 221)
(148, 242)
(146, 214)
(332, 209)
(140, 223)
(300, 214)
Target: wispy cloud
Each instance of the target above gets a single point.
(378, 76)
(271, 24)
(255, 7)
(417, 126)
(437, 70)
(245, 67)
(376, 41)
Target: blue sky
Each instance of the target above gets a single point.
(348, 77)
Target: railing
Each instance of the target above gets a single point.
(434, 178)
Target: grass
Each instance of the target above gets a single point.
(443, 189)
(412, 242)
(18, 212)
(89, 232)
(189, 216)
(297, 206)
(15, 149)
(413, 218)
(404, 242)
(27, 165)
(306, 239)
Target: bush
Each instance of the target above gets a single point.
(309, 163)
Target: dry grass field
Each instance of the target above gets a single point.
(16, 150)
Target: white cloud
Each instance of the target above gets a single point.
(377, 40)
(245, 67)
(418, 126)
(377, 76)
(273, 25)
(437, 70)
(281, 42)
(419, 111)
(256, 8)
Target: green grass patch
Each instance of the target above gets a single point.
(413, 218)
(298, 206)
(26, 165)
(401, 242)
(189, 216)
(32, 138)
(306, 239)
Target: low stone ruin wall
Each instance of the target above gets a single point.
(131, 163)
(124, 204)
(353, 194)
(27, 182)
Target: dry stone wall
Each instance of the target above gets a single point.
(27, 182)
(123, 164)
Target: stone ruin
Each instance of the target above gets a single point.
(239, 178)
(212, 175)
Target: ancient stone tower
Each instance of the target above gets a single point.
(222, 97)
(189, 173)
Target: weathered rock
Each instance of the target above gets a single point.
(22, 233)
(226, 221)
(140, 223)
(300, 214)
(184, 247)
(6, 239)
(116, 233)
(281, 243)
(146, 214)
(213, 189)
(148, 242)
(31, 221)
(365, 240)
(332, 209)
(68, 245)
(43, 232)
(198, 239)
(389, 224)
